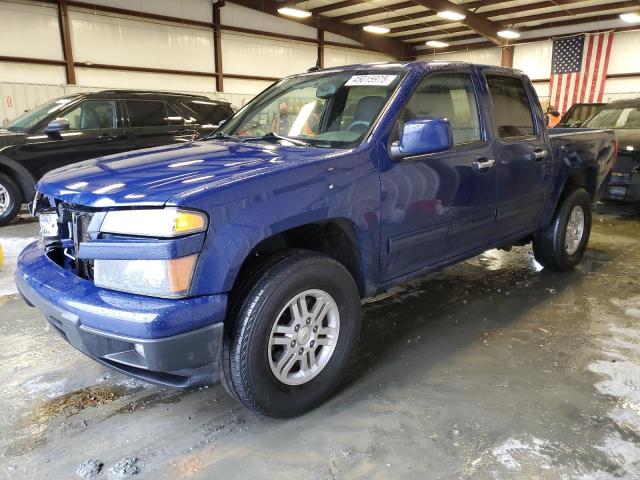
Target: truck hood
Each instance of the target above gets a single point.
(155, 175)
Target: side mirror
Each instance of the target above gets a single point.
(56, 126)
(422, 136)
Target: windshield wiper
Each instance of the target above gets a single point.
(274, 137)
(221, 136)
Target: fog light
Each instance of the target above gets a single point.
(139, 349)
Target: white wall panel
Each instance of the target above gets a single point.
(625, 53)
(143, 80)
(534, 59)
(336, 56)
(29, 31)
(238, 16)
(486, 56)
(241, 86)
(332, 37)
(264, 56)
(200, 10)
(118, 40)
(31, 73)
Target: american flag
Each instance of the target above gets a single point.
(579, 69)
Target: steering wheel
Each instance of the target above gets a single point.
(358, 126)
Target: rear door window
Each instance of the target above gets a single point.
(147, 113)
(210, 112)
(511, 107)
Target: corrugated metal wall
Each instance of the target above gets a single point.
(114, 39)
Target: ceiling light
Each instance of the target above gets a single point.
(633, 17)
(294, 12)
(376, 29)
(509, 34)
(437, 44)
(451, 15)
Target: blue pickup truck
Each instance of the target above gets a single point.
(243, 257)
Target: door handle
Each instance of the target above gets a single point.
(539, 154)
(107, 137)
(484, 164)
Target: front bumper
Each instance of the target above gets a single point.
(623, 187)
(168, 342)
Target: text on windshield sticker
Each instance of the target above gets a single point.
(370, 80)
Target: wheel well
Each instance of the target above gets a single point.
(26, 190)
(335, 238)
(585, 178)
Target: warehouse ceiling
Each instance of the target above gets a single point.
(415, 22)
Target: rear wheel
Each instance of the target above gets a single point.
(10, 199)
(293, 334)
(562, 244)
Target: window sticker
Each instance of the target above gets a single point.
(370, 80)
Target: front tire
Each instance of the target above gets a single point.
(295, 329)
(561, 245)
(10, 199)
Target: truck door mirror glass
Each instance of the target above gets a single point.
(56, 126)
(422, 136)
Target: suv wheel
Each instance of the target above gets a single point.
(10, 199)
(562, 244)
(291, 334)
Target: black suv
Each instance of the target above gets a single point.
(79, 127)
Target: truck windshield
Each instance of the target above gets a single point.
(620, 117)
(28, 120)
(330, 110)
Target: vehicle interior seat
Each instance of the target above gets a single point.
(366, 110)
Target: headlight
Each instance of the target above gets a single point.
(160, 222)
(157, 278)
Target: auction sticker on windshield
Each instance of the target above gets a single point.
(370, 80)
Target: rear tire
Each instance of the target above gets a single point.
(10, 199)
(279, 359)
(561, 245)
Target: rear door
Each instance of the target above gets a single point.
(155, 122)
(522, 153)
(440, 205)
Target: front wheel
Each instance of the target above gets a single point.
(292, 334)
(562, 244)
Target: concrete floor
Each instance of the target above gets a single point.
(490, 369)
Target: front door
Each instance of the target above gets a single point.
(94, 131)
(521, 145)
(441, 205)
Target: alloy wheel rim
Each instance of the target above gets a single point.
(303, 337)
(575, 230)
(4, 200)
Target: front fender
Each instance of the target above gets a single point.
(346, 188)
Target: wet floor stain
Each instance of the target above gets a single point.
(32, 428)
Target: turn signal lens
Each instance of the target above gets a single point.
(156, 278)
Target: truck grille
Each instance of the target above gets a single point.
(74, 229)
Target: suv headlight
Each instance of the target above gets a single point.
(158, 222)
(167, 278)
